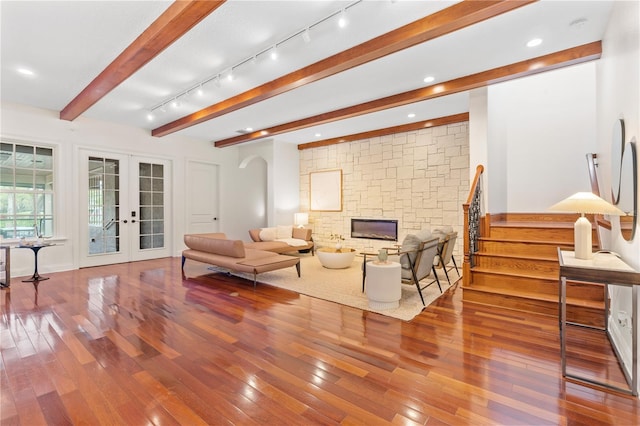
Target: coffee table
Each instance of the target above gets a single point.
(333, 258)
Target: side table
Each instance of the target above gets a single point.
(36, 277)
(383, 285)
(607, 269)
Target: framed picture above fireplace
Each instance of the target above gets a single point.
(325, 191)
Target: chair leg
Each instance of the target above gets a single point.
(454, 264)
(433, 268)
(183, 259)
(415, 280)
(298, 268)
(364, 270)
(446, 274)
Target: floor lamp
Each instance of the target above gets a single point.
(585, 203)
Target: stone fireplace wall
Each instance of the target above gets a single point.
(420, 178)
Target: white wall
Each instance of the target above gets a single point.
(283, 182)
(619, 97)
(43, 126)
(540, 129)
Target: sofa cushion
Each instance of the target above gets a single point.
(212, 243)
(268, 234)
(283, 231)
(301, 234)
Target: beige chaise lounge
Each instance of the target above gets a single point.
(215, 249)
(300, 241)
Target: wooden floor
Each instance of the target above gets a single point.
(136, 344)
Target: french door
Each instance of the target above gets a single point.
(125, 213)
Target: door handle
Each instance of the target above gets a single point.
(215, 218)
(124, 221)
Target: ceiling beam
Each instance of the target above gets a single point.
(448, 20)
(174, 22)
(564, 58)
(450, 119)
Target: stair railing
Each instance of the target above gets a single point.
(473, 211)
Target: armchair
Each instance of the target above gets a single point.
(445, 254)
(416, 258)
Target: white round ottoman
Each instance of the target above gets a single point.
(382, 285)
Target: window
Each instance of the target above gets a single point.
(26, 190)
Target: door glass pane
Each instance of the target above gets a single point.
(104, 205)
(151, 223)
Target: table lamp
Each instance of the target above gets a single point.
(300, 219)
(585, 203)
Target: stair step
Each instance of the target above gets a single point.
(535, 284)
(532, 233)
(525, 248)
(578, 310)
(544, 265)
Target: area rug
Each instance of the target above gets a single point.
(344, 286)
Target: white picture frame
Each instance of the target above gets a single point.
(325, 191)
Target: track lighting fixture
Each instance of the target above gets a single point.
(304, 33)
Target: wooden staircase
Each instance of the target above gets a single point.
(516, 267)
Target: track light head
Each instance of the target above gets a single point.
(306, 35)
(342, 21)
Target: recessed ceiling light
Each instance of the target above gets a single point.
(428, 79)
(318, 135)
(534, 42)
(411, 115)
(264, 132)
(249, 129)
(26, 71)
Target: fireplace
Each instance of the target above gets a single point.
(375, 229)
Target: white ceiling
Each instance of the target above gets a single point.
(68, 43)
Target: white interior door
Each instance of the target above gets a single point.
(125, 213)
(202, 193)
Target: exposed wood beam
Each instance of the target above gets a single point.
(576, 55)
(443, 22)
(456, 118)
(174, 22)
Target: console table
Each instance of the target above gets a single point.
(5, 266)
(608, 269)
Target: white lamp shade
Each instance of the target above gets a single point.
(300, 219)
(583, 203)
(586, 202)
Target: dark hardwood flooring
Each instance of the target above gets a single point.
(136, 344)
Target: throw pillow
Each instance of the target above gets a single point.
(284, 231)
(410, 244)
(424, 234)
(268, 234)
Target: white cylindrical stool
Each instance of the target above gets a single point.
(383, 286)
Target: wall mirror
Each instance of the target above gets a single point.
(627, 201)
(617, 151)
